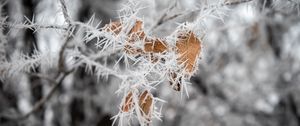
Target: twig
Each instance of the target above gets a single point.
(161, 19)
(109, 71)
(41, 102)
(42, 76)
(32, 26)
(61, 65)
(165, 19)
(65, 11)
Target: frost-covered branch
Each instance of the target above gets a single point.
(33, 26)
(61, 60)
(165, 18)
(24, 63)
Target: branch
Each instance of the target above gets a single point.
(42, 77)
(165, 19)
(41, 102)
(65, 11)
(61, 65)
(161, 19)
(32, 26)
(57, 82)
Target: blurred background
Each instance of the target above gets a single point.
(249, 74)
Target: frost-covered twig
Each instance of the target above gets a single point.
(42, 76)
(61, 60)
(99, 68)
(65, 11)
(162, 18)
(32, 26)
(166, 18)
(19, 62)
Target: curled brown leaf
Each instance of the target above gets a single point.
(188, 48)
(146, 104)
(128, 103)
(136, 32)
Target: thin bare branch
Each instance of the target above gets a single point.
(65, 11)
(161, 19)
(61, 62)
(71, 28)
(40, 103)
(165, 18)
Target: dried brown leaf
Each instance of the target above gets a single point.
(155, 45)
(128, 103)
(138, 26)
(136, 32)
(146, 104)
(114, 27)
(188, 49)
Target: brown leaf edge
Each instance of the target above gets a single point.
(128, 103)
(188, 49)
(146, 105)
